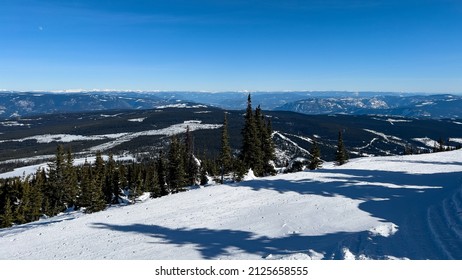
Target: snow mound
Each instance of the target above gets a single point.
(249, 176)
(385, 230)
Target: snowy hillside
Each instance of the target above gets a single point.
(370, 208)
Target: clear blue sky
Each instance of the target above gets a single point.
(218, 45)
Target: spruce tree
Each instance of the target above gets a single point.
(162, 174)
(54, 189)
(341, 156)
(315, 154)
(71, 188)
(92, 195)
(153, 182)
(251, 154)
(112, 188)
(35, 201)
(226, 157)
(7, 216)
(191, 167)
(268, 148)
(21, 214)
(176, 176)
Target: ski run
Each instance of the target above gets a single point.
(399, 207)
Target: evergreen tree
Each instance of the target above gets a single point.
(315, 161)
(176, 176)
(251, 154)
(226, 158)
(153, 182)
(191, 167)
(112, 188)
(54, 189)
(203, 175)
(268, 148)
(92, 195)
(21, 214)
(35, 201)
(162, 174)
(341, 156)
(7, 217)
(71, 188)
(137, 187)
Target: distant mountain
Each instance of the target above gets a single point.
(20, 104)
(429, 106)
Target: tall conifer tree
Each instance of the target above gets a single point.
(161, 167)
(251, 154)
(7, 216)
(226, 158)
(341, 156)
(315, 160)
(176, 177)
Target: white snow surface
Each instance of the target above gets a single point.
(137, 120)
(400, 207)
(181, 105)
(168, 131)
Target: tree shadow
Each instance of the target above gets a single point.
(395, 197)
(398, 197)
(214, 243)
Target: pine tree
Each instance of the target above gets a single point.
(315, 161)
(341, 156)
(268, 149)
(35, 200)
(191, 167)
(54, 189)
(111, 188)
(23, 209)
(176, 176)
(7, 217)
(251, 154)
(71, 188)
(92, 195)
(153, 182)
(162, 174)
(226, 157)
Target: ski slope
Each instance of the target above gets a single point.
(400, 207)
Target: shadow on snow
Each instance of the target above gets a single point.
(405, 207)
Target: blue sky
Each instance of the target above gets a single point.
(357, 45)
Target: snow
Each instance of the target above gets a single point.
(168, 131)
(137, 120)
(400, 207)
(393, 121)
(181, 105)
(65, 138)
(457, 140)
(290, 141)
(11, 123)
(383, 135)
(431, 143)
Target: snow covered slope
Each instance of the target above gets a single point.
(371, 208)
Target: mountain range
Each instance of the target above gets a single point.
(20, 104)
